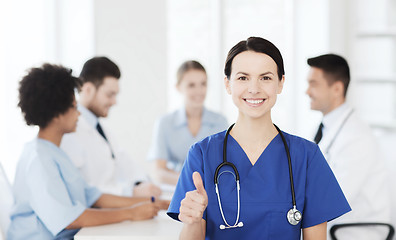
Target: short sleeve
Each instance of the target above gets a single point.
(92, 194)
(193, 163)
(324, 199)
(158, 149)
(49, 197)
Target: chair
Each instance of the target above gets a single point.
(334, 228)
(6, 202)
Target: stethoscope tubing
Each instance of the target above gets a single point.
(225, 162)
(294, 216)
(290, 166)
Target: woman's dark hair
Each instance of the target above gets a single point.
(259, 45)
(187, 66)
(45, 93)
(97, 68)
(334, 67)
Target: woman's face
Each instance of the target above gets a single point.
(68, 120)
(254, 84)
(193, 87)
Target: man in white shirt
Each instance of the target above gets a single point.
(349, 147)
(92, 148)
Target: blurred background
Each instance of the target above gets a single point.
(150, 39)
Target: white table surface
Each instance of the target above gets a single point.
(161, 227)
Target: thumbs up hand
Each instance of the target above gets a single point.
(194, 204)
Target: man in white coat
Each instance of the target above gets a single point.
(92, 148)
(349, 147)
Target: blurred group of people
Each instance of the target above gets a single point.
(74, 174)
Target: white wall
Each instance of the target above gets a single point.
(74, 33)
(133, 34)
(372, 47)
(311, 33)
(206, 30)
(27, 40)
(58, 32)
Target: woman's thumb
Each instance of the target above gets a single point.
(198, 183)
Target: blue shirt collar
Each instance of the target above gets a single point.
(50, 145)
(91, 118)
(181, 117)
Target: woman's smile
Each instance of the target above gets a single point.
(254, 102)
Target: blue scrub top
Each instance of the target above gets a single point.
(265, 188)
(172, 138)
(49, 194)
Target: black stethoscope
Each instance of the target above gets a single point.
(293, 215)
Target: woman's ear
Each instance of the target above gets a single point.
(280, 84)
(227, 85)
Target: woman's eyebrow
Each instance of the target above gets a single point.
(269, 72)
(242, 73)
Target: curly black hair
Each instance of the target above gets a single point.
(46, 92)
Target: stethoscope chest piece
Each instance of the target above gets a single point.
(294, 216)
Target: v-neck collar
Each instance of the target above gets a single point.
(234, 141)
(239, 158)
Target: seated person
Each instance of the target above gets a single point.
(175, 132)
(350, 148)
(92, 148)
(52, 200)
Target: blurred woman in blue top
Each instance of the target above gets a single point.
(175, 132)
(260, 205)
(52, 200)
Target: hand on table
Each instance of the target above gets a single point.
(143, 211)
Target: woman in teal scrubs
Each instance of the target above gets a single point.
(254, 76)
(52, 200)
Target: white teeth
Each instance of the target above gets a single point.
(255, 101)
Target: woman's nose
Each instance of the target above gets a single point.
(254, 86)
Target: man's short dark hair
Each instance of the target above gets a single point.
(45, 93)
(97, 68)
(334, 67)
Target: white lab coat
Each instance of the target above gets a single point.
(360, 170)
(91, 154)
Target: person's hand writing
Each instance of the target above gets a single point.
(146, 189)
(194, 204)
(143, 211)
(162, 204)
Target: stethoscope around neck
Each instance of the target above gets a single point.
(293, 215)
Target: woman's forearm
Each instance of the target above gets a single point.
(113, 201)
(168, 176)
(317, 232)
(194, 231)
(164, 174)
(95, 217)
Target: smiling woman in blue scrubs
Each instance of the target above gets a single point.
(254, 76)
